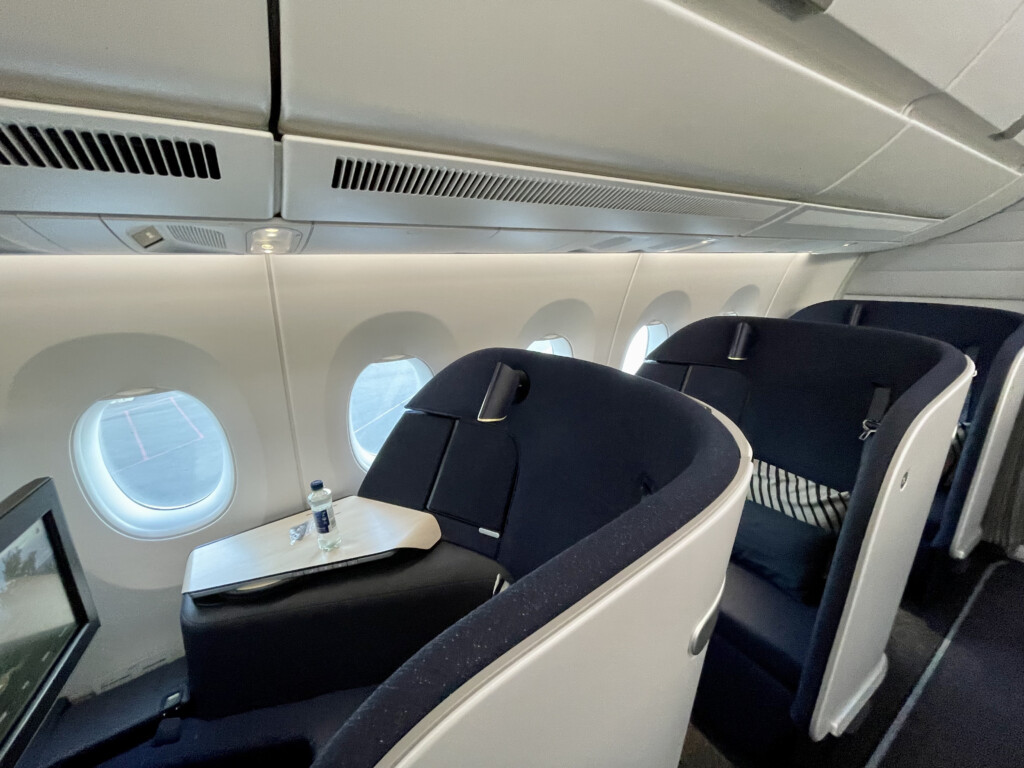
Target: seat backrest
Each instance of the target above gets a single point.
(604, 523)
(555, 451)
(994, 339)
(801, 393)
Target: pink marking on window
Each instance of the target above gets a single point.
(186, 418)
(157, 455)
(135, 432)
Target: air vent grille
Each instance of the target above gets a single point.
(202, 236)
(365, 175)
(75, 149)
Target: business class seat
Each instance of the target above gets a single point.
(849, 428)
(610, 504)
(994, 339)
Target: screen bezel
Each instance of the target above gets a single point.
(18, 512)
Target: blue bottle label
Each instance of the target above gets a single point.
(322, 520)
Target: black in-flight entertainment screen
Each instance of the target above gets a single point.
(36, 620)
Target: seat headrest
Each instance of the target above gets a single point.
(781, 351)
(981, 331)
(800, 391)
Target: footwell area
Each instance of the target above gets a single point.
(929, 610)
(971, 711)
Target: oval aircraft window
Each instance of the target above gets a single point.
(378, 400)
(644, 341)
(552, 345)
(155, 464)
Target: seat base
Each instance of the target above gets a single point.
(766, 624)
(753, 665)
(331, 631)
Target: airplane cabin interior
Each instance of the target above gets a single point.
(504, 384)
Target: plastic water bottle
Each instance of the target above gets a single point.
(321, 505)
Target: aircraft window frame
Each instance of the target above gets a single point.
(552, 344)
(128, 507)
(363, 453)
(647, 338)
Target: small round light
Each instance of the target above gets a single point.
(273, 240)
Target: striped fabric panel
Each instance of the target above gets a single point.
(797, 496)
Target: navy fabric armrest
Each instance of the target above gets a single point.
(792, 555)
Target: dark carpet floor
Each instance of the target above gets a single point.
(970, 712)
(929, 609)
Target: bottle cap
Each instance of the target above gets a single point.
(317, 485)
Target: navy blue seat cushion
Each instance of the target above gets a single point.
(475, 481)
(994, 336)
(811, 385)
(791, 554)
(770, 626)
(407, 464)
(610, 465)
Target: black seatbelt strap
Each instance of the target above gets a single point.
(879, 405)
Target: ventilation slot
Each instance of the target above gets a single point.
(80, 150)
(357, 175)
(201, 236)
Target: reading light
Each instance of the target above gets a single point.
(508, 385)
(741, 340)
(273, 240)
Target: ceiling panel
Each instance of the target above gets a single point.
(921, 173)
(991, 85)
(935, 38)
(77, 234)
(814, 221)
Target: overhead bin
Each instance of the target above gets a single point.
(333, 181)
(356, 183)
(70, 160)
(187, 59)
(646, 90)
